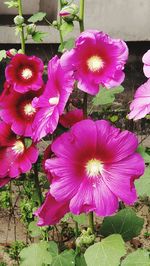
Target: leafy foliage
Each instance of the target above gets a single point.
(67, 45)
(2, 55)
(143, 184)
(106, 96)
(144, 154)
(34, 230)
(12, 3)
(125, 222)
(107, 252)
(66, 28)
(38, 36)
(37, 17)
(36, 254)
(80, 219)
(139, 257)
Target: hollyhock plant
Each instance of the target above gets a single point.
(17, 110)
(146, 61)
(94, 167)
(69, 119)
(52, 102)
(24, 73)
(140, 106)
(97, 60)
(15, 157)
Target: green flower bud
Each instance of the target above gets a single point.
(18, 20)
(69, 12)
(31, 29)
(55, 23)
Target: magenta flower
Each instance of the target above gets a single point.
(97, 60)
(95, 167)
(140, 106)
(15, 157)
(17, 110)
(146, 61)
(69, 119)
(24, 73)
(52, 103)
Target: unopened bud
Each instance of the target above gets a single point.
(55, 23)
(69, 12)
(10, 53)
(18, 20)
(20, 51)
(31, 29)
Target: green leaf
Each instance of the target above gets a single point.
(66, 28)
(80, 260)
(37, 17)
(2, 55)
(66, 258)
(28, 142)
(137, 258)
(80, 219)
(143, 184)
(107, 252)
(34, 230)
(106, 96)
(36, 254)
(38, 36)
(125, 223)
(144, 154)
(11, 4)
(68, 45)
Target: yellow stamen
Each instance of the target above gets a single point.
(18, 147)
(95, 63)
(94, 168)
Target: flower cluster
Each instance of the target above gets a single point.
(140, 106)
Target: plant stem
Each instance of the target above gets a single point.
(81, 15)
(91, 221)
(22, 28)
(37, 185)
(60, 23)
(76, 229)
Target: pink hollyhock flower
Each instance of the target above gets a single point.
(97, 60)
(94, 168)
(52, 103)
(24, 73)
(17, 110)
(15, 157)
(140, 106)
(146, 61)
(69, 119)
(51, 211)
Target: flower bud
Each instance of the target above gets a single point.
(69, 12)
(20, 51)
(31, 29)
(18, 20)
(10, 53)
(55, 23)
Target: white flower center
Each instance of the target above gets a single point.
(27, 73)
(18, 147)
(54, 100)
(29, 109)
(95, 63)
(94, 167)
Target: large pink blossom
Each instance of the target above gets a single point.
(95, 166)
(146, 61)
(15, 157)
(24, 73)
(17, 110)
(97, 60)
(53, 101)
(140, 106)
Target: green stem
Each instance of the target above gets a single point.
(91, 221)
(37, 184)
(81, 15)
(76, 229)
(59, 27)
(22, 28)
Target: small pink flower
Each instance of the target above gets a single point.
(17, 110)
(146, 61)
(53, 101)
(24, 73)
(95, 167)
(69, 119)
(15, 158)
(140, 106)
(97, 60)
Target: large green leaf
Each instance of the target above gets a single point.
(34, 230)
(36, 254)
(106, 96)
(66, 258)
(143, 184)
(66, 28)
(37, 17)
(144, 154)
(106, 253)
(38, 36)
(125, 223)
(137, 258)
